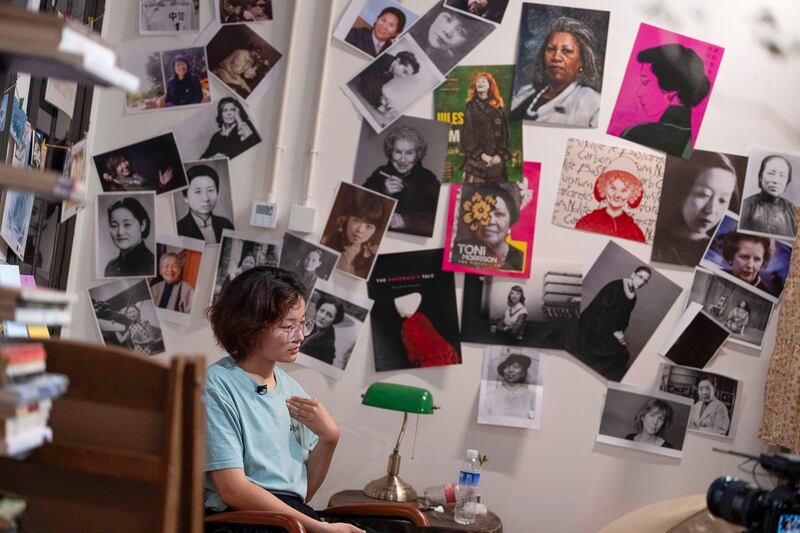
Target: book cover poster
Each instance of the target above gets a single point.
(695, 195)
(491, 225)
(558, 77)
(484, 144)
(609, 190)
(665, 91)
(414, 318)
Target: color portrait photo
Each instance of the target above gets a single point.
(608, 190)
(534, 312)
(511, 387)
(560, 62)
(126, 316)
(150, 165)
(647, 420)
(484, 144)
(405, 162)
(715, 397)
(174, 287)
(337, 318)
(372, 26)
(665, 91)
(695, 195)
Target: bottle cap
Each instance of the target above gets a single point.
(472, 454)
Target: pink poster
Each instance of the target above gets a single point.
(665, 91)
(490, 226)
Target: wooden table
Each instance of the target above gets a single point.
(439, 522)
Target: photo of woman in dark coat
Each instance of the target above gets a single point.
(484, 137)
(235, 134)
(129, 225)
(183, 88)
(321, 343)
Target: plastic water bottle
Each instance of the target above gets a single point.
(467, 489)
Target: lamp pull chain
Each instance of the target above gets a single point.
(414, 444)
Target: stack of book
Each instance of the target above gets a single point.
(35, 306)
(26, 396)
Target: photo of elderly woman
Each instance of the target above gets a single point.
(665, 91)
(405, 162)
(608, 190)
(491, 10)
(559, 70)
(125, 235)
(371, 26)
(355, 227)
(232, 11)
(715, 397)
(185, 77)
(243, 61)
(695, 195)
(335, 319)
(446, 36)
(204, 209)
(770, 198)
(126, 316)
(238, 255)
(173, 288)
(308, 260)
(754, 261)
(651, 421)
(149, 165)
(511, 387)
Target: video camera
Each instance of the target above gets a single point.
(760, 510)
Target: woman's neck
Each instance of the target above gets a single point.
(554, 90)
(647, 438)
(613, 212)
(685, 233)
(260, 368)
(500, 250)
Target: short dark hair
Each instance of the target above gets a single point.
(643, 269)
(181, 57)
(253, 300)
(521, 292)
(680, 69)
(590, 75)
(408, 58)
(732, 240)
(405, 132)
(335, 303)
(644, 409)
(238, 104)
(767, 160)
(136, 209)
(201, 170)
(401, 17)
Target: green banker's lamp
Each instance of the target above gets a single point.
(397, 398)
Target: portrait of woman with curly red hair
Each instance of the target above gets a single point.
(616, 187)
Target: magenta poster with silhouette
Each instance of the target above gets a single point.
(665, 91)
(490, 226)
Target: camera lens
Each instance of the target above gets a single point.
(735, 501)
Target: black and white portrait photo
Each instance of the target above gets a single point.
(511, 387)
(174, 287)
(243, 61)
(150, 165)
(648, 420)
(696, 338)
(714, 396)
(770, 195)
(164, 17)
(126, 316)
(392, 83)
(232, 11)
(758, 262)
(560, 60)
(238, 254)
(204, 209)
(744, 313)
(221, 130)
(308, 260)
(613, 326)
(337, 318)
(490, 10)
(371, 26)
(447, 36)
(695, 195)
(405, 161)
(125, 235)
(535, 312)
(355, 227)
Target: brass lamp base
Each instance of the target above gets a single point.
(390, 488)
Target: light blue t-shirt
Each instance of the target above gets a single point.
(247, 430)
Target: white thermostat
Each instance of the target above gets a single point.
(264, 214)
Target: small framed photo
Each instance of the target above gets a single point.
(175, 284)
(125, 235)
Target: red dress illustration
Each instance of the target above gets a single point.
(424, 345)
(622, 226)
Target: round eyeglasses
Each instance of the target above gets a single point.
(306, 326)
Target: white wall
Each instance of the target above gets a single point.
(552, 479)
